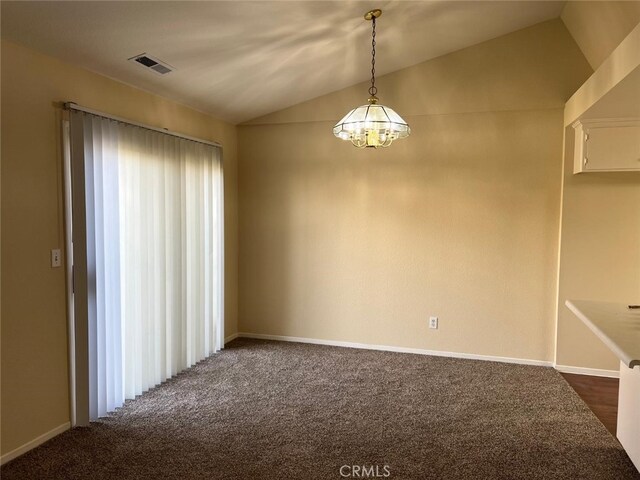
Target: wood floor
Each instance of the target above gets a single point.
(600, 394)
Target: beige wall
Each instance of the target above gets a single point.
(600, 239)
(460, 220)
(598, 27)
(600, 255)
(34, 330)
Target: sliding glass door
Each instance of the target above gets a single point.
(148, 257)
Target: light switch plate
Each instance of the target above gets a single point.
(56, 258)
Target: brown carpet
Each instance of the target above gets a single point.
(272, 410)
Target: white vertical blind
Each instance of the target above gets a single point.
(154, 224)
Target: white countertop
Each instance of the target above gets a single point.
(615, 324)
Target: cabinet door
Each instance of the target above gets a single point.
(613, 148)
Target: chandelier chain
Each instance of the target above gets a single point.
(373, 90)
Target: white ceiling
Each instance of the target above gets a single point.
(239, 60)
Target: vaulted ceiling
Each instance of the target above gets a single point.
(238, 60)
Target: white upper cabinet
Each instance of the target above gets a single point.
(605, 113)
(608, 145)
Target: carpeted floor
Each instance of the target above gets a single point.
(272, 410)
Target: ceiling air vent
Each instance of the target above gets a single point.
(152, 63)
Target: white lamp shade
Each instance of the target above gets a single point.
(371, 125)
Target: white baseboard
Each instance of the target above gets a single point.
(231, 337)
(386, 348)
(595, 372)
(34, 443)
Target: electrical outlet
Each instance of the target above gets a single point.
(56, 258)
(433, 322)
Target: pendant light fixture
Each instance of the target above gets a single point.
(372, 125)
